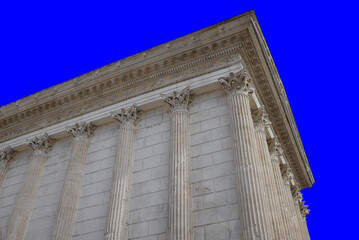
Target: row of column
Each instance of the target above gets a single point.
(269, 207)
(270, 202)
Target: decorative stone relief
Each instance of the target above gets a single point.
(179, 101)
(260, 119)
(6, 156)
(303, 209)
(275, 149)
(42, 144)
(239, 82)
(81, 131)
(127, 117)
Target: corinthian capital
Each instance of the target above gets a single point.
(275, 148)
(179, 101)
(127, 117)
(41, 144)
(239, 82)
(297, 195)
(82, 130)
(303, 209)
(260, 119)
(286, 173)
(6, 156)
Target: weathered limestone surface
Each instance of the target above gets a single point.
(27, 196)
(276, 151)
(6, 156)
(261, 122)
(71, 190)
(252, 199)
(180, 219)
(119, 207)
(293, 219)
(297, 197)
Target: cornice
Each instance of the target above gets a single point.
(207, 50)
(256, 55)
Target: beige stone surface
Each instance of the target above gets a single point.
(6, 156)
(261, 122)
(120, 198)
(71, 190)
(137, 181)
(180, 216)
(27, 197)
(253, 204)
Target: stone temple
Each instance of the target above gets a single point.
(191, 139)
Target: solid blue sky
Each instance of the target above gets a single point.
(314, 46)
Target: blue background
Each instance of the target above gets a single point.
(314, 46)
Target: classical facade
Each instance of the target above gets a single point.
(193, 139)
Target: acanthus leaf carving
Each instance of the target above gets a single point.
(82, 131)
(303, 209)
(239, 82)
(179, 101)
(297, 195)
(275, 148)
(260, 119)
(41, 144)
(6, 156)
(127, 117)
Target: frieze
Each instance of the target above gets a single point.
(106, 94)
(194, 55)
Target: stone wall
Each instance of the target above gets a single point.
(213, 183)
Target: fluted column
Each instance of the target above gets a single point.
(275, 152)
(287, 179)
(119, 206)
(304, 212)
(6, 156)
(261, 122)
(297, 197)
(26, 200)
(254, 220)
(71, 190)
(180, 219)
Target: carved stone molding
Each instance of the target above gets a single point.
(41, 144)
(285, 127)
(127, 117)
(260, 119)
(197, 61)
(81, 131)
(286, 172)
(179, 101)
(297, 195)
(237, 83)
(275, 149)
(6, 156)
(303, 209)
(233, 41)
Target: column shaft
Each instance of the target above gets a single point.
(180, 199)
(120, 199)
(276, 151)
(71, 190)
(180, 215)
(26, 200)
(253, 206)
(287, 179)
(278, 223)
